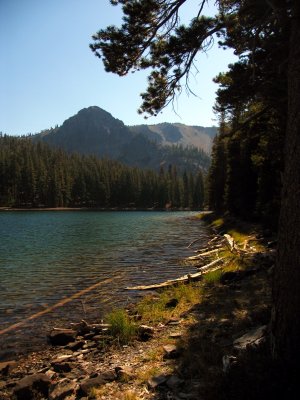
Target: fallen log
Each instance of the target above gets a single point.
(206, 268)
(200, 255)
(186, 278)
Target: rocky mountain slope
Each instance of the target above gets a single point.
(169, 134)
(95, 131)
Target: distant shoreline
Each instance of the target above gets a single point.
(93, 209)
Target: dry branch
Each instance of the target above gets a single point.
(200, 255)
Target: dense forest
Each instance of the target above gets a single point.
(247, 157)
(35, 175)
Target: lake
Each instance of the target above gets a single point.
(84, 259)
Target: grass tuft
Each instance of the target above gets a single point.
(213, 277)
(122, 327)
(156, 310)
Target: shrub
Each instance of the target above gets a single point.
(122, 327)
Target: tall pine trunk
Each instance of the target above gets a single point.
(286, 286)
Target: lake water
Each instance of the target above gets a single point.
(48, 256)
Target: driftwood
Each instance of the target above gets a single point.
(201, 255)
(186, 278)
(212, 249)
(231, 242)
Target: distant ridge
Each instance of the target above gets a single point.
(94, 131)
(169, 134)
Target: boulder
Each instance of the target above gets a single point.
(124, 374)
(251, 339)
(87, 384)
(62, 337)
(171, 351)
(157, 381)
(6, 367)
(145, 332)
(74, 346)
(63, 389)
(32, 387)
(62, 366)
(174, 382)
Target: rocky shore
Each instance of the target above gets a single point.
(210, 347)
(182, 358)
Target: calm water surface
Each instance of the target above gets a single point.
(46, 257)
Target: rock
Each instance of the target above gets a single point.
(50, 373)
(62, 363)
(62, 390)
(232, 276)
(62, 337)
(172, 303)
(87, 384)
(157, 381)
(145, 332)
(74, 346)
(89, 345)
(174, 382)
(63, 357)
(62, 366)
(171, 351)
(32, 386)
(2, 385)
(174, 321)
(228, 362)
(89, 336)
(124, 373)
(6, 367)
(251, 338)
(175, 335)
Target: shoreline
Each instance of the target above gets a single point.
(165, 361)
(7, 209)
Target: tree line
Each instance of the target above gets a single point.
(35, 175)
(247, 156)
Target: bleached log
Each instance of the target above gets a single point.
(186, 278)
(211, 264)
(230, 242)
(200, 255)
(216, 246)
(214, 239)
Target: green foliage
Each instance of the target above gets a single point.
(35, 175)
(156, 309)
(244, 177)
(152, 37)
(213, 277)
(122, 327)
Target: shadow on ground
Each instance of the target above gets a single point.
(209, 367)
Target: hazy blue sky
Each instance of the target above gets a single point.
(48, 73)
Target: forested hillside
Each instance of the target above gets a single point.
(36, 175)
